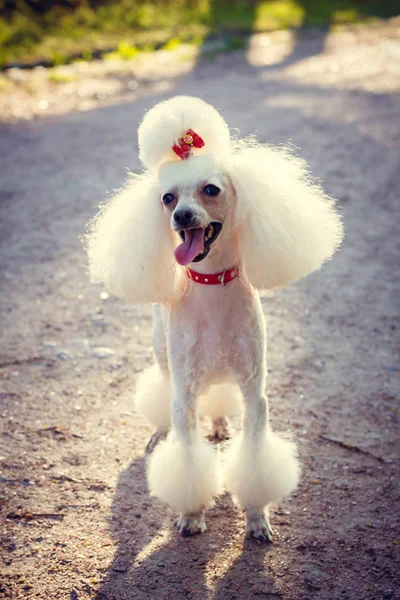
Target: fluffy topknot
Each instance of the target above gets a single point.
(168, 121)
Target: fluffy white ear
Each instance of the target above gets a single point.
(287, 226)
(130, 244)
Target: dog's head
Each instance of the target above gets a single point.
(197, 197)
(204, 198)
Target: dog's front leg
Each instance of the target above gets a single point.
(251, 494)
(260, 466)
(183, 469)
(185, 425)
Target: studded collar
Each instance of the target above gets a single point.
(221, 278)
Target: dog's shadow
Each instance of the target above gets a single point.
(152, 560)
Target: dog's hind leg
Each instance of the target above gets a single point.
(219, 430)
(152, 399)
(159, 435)
(160, 339)
(183, 469)
(220, 402)
(153, 390)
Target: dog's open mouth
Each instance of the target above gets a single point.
(196, 243)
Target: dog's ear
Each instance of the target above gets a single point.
(130, 244)
(287, 227)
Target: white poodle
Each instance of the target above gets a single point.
(209, 223)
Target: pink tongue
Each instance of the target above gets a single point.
(191, 247)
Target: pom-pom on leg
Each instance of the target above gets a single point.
(260, 469)
(221, 400)
(184, 475)
(153, 397)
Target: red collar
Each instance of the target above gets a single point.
(221, 278)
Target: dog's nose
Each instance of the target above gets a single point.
(183, 217)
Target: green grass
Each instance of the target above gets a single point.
(60, 33)
(56, 77)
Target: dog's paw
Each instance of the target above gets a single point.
(220, 430)
(158, 435)
(191, 524)
(258, 525)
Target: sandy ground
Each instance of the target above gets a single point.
(76, 519)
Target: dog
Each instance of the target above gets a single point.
(209, 223)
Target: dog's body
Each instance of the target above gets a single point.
(245, 210)
(224, 344)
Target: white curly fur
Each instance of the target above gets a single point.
(123, 251)
(153, 396)
(196, 464)
(223, 400)
(204, 168)
(277, 226)
(271, 466)
(168, 121)
(287, 225)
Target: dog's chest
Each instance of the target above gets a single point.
(210, 333)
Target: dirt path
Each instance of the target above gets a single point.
(77, 522)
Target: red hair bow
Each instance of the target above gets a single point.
(184, 146)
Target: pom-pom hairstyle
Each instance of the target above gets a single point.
(167, 122)
(285, 224)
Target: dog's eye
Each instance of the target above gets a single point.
(168, 198)
(211, 190)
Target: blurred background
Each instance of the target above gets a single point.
(56, 32)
